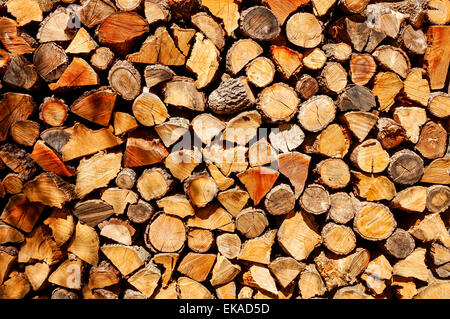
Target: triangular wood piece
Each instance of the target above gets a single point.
(258, 181)
(158, 48)
(360, 123)
(294, 166)
(82, 43)
(79, 73)
(96, 105)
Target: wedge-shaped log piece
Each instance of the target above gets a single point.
(227, 10)
(103, 275)
(82, 43)
(224, 271)
(182, 163)
(37, 274)
(146, 279)
(431, 228)
(14, 107)
(294, 166)
(55, 25)
(437, 172)
(240, 53)
(126, 258)
(182, 92)
(341, 271)
(411, 119)
(143, 148)
(9, 234)
(16, 287)
(21, 213)
(413, 266)
(62, 224)
(117, 230)
(158, 48)
(96, 105)
(120, 30)
(13, 40)
(68, 274)
(191, 289)
(94, 12)
(411, 199)
(96, 172)
(360, 123)
(372, 187)
(242, 128)
(119, 198)
(93, 211)
(78, 74)
(196, 266)
(123, 123)
(85, 244)
(285, 270)
(298, 235)
(258, 249)
(50, 161)
(258, 181)
(39, 246)
(177, 205)
(212, 217)
(386, 87)
(49, 189)
(259, 276)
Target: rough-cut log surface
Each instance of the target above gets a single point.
(173, 149)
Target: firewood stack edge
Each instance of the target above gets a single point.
(224, 149)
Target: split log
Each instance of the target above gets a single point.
(9, 234)
(177, 205)
(372, 187)
(228, 245)
(123, 123)
(416, 88)
(333, 78)
(49, 189)
(126, 258)
(168, 261)
(414, 41)
(102, 276)
(298, 235)
(361, 123)
(240, 53)
(412, 266)
(146, 279)
(212, 217)
(258, 181)
(333, 141)
(339, 239)
(362, 68)
(370, 157)
(356, 97)
(431, 228)
(231, 96)
(436, 172)
(78, 74)
(154, 183)
(81, 43)
(68, 274)
(143, 148)
(310, 283)
(172, 130)
(386, 87)
(39, 246)
(50, 161)
(21, 74)
(339, 52)
(15, 41)
(437, 56)
(119, 31)
(258, 249)
(233, 200)
(315, 199)
(56, 138)
(210, 28)
(282, 9)
(50, 30)
(411, 199)
(93, 211)
(181, 92)
(294, 166)
(390, 133)
(182, 163)
(62, 224)
(228, 11)
(37, 274)
(14, 107)
(16, 287)
(411, 119)
(196, 266)
(94, 12)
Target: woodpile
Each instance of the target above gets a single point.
(224, 149)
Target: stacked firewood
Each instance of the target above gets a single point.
(224, 149)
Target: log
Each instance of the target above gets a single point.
(102, 59)
(233, 200)
(439, 104)
(196, 266)
(438, 198)
(437, 56)
(53, 111)
(411, 119)
(125, 178)
(370, 157)
(309, 35)
(339, 239)
(15, 41)
(203, 61)
(307, 86)
(213, 31)
(278, 102)
(82, 43)
(258, 249)
(333, 173)
(405, 167)
(94, 12)
(436, 172)
(400, 244)
(125, 80)
(251, 222)
(25, 132)
(200, 189)
(228, 245)
(227, 12)
(372, 187)
(140, 212)
(280, 200)
(282, 9)
(315, 199)
(260, 71)
(390, 133)
(123, 123)
(314, 59)
(416, 88)
(92, 212)
(374, 222)
(361, 123)
(414, 41)
(316, 113)
(339, 52)
(143, 148)
(411, 199)
(50, 161)
(310, 283)
(62, 224)
(333, 78)
(181, 92)
(177, 205)
(78, 74)
(342, 208)
(258, 181)
(165, 233)
(102, 276)
(87, 105)
(386, 87)
(172, 130)
(21, 74)
(14, 107)
(356, 97)
(432, 140)
(333, 141)
(154, 183)
(146, 279)
(125, 258)
(49, 189)
(240, 53)
(212, 217)
(200, 240)
(259, 23)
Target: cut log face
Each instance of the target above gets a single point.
(259, 23)
(316, 113)
(304, 30)
(240, 53)
(165, 233)
(374, 222)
